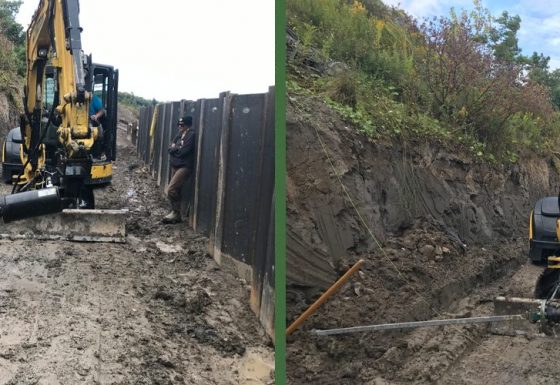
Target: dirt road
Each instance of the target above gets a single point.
(156, 310)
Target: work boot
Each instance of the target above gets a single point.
(172, 217)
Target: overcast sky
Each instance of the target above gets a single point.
(540, 20)
(179, 49)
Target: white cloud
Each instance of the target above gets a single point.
(173, 49)
(540, 34)
(538, 8)
(540, 20)
(421, 9)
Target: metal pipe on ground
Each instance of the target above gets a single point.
(30, 204)
(515, 305)
(506, 308)
(420, 324)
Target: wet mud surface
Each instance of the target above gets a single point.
(441, 236)
(156, 310)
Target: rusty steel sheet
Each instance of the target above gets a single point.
(242, 177)
(211, 129)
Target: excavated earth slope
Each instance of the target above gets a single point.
(441, 236)
(156, 310)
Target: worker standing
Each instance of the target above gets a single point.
(181, 152)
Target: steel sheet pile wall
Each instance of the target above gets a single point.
(230, 196)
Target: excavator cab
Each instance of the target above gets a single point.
(102, 80)
(543, 233)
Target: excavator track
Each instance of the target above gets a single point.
(546, 283)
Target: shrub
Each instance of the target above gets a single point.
(461, 77)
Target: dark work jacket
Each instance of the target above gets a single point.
(183, 153)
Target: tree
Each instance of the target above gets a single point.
(8, 24)
(503, 39)
(475, 75)
(553, 82)
(14, 47)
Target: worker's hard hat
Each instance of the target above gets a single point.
(185, 120)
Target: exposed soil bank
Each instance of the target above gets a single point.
(441, 234)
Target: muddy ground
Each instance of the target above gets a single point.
(441, 235)
(156, 310)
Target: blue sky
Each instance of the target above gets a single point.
(540, 20)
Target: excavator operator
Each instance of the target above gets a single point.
(96, 110)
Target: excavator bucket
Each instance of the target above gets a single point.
(71, 225)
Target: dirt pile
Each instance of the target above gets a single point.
(441, 235)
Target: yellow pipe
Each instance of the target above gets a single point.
(153, 129)
(330, 291)
(531, 226)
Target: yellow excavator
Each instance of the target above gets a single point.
(64, 153)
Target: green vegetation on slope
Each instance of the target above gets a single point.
(12, 52)
(12, 39)
(460, 78)
(132, 100)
